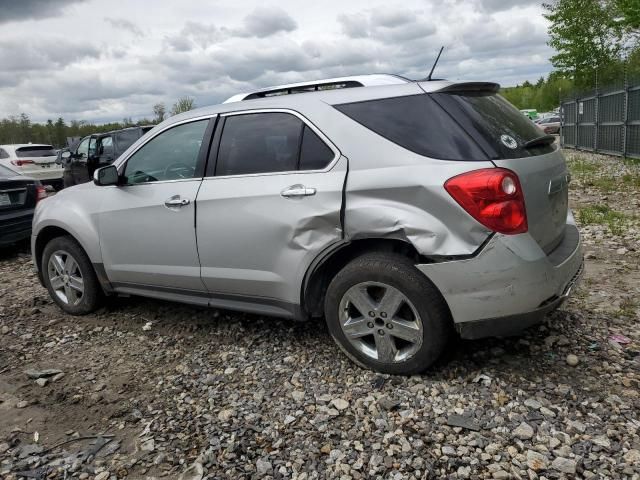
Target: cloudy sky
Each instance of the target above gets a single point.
(102, 60)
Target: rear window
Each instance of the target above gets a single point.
(450, 126)
(41, 151)
(497, 126)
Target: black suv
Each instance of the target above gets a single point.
(94, 151)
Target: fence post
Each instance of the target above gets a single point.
(578, 124)
(596, 121)
(625, 126)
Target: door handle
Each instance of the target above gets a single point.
(176, 202)
(297, 191)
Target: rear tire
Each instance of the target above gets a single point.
(386, 315)
(69, 276)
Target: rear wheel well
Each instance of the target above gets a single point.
(317, 281)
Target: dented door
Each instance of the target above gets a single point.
(257, 234)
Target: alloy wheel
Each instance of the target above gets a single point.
(65, 277)
(381, 322)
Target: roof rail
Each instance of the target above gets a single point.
(326, 84)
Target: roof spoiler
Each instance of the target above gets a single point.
(487, 88)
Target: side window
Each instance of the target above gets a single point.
(106, 146)
(3, 154)
(172, 155)
(259, 143)
(83, 149)
(314, 154)
(92, 146)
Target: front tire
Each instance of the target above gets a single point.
(386, 315)
(69, 276)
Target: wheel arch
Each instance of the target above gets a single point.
(328, 264)
(43, 237)
(48, 233)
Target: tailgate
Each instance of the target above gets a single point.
(544, 181)
(42, 155)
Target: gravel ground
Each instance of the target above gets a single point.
(146, 389)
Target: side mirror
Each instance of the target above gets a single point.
(63, 157)
(106, 176)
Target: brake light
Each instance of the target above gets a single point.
(20, 163)
(493, 196)
(41, 193)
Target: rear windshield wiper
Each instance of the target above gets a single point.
(540, 141)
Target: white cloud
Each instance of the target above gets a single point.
(135, 56)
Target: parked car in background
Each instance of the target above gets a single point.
(37, 161)
(18, 198)
(397, 210)
(530, 113)
(550, 125)
(94, 151)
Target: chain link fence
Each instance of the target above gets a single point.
(603, 120)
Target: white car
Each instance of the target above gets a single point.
(34, 160)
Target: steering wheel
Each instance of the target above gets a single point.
(178, 170)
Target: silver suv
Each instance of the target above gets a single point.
(397, 210)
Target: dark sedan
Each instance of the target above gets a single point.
(18, 198)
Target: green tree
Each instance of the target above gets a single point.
(159, 112)
(586, 36)
(628, 14)
(25, 128)
(183, 104)
(60, 129)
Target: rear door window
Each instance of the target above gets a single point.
(314, 153)
(269, 142)
(259, 143)
(35, 152)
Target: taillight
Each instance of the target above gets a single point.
(493, 196)
(41, 193)
(19, 163)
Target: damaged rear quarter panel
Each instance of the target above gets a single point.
(409, 203)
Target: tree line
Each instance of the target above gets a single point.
(20, 128)
(597, 45)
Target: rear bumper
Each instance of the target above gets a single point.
(15, 227)
(45, 175)
(509, 285)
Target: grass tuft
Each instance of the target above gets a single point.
(600, 214)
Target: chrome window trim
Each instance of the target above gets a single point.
(303, 119)
(122, 163)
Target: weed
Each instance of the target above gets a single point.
(632, 180)
(628, 307)
(600, 214)
(580, 167)
(631, 161)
